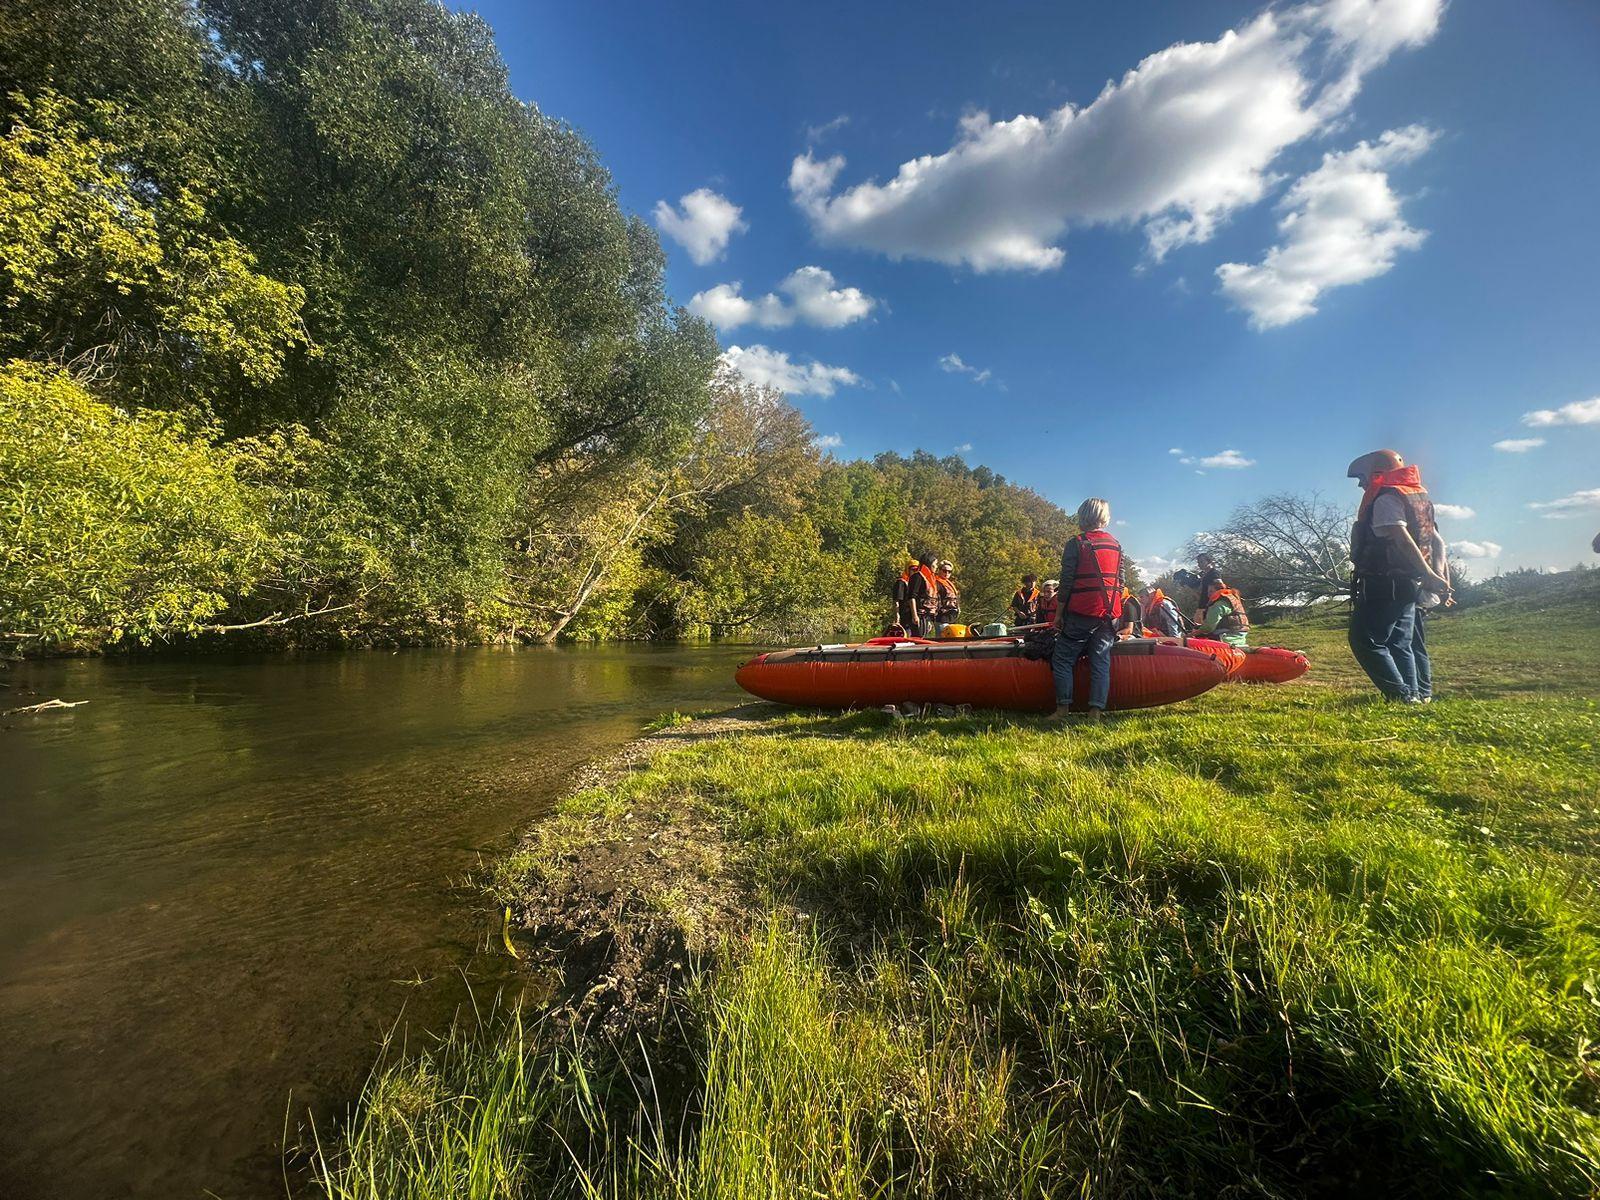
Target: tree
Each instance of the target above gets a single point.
(1284, 548)
(130, 286)
(114, 525)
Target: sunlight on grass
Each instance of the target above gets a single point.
(1279, 941)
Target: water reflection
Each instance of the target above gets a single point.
(221, 880)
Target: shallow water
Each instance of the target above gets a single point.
(223, 881)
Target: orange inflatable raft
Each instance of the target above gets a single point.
(1231, 657)
(1271, 664)
(991, 673)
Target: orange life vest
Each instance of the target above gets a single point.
(1097, 589)
(1237, 620)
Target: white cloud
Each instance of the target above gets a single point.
(964, 448)
(1579, 412)
(1176, 450)
(813, 299)
(1518, 445)
(1225, 460)
(1341, 225)
(815, 133)
(828, 441)
(766, 367)
(1474, 549)
(1155, 566)
(953, 364)
(1456, 512)
(1568, 506)
(1176, 146)
(702, 223)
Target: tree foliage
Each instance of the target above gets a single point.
(112, 524)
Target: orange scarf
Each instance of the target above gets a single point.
(1406, 480)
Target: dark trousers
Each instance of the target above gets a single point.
(1078, 636)
(1384, 635)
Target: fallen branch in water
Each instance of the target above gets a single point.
(47, 706)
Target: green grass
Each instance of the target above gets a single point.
(1275, 942)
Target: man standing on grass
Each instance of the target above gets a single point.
(1399, 560)
(1091, 605)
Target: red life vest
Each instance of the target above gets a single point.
(1047, 608)
(1096, 589)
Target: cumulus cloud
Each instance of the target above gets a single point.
(1475, 549)
(1226, 460)
(812, 299)
(952, 364)
(1341, 225)
(1176, 450)
(828, 441)
(1518, 445)
(1175, 146)
(964, 448)
(1568, 506)
(1456, 512)
(1579, 412)
(702, 224)
(766, 367)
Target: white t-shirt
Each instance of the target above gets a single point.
(1388, 509)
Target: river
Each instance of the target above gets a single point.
(222, 881)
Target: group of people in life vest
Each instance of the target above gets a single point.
(1401, 573)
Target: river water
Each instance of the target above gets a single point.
(223, 881)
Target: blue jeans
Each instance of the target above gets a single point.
(1094, 636)
(1384, 633)
(1419, 655)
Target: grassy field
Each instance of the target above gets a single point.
(1274, 942)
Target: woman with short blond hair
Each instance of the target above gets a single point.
(1090, 606)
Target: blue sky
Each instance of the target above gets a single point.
(1400, 196)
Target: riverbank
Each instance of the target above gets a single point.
(1278, 941)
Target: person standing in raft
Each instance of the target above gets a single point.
(1091, 571)
(1398, 555)
(924, 593)
(1049, 601)
(1223, 615)
(1025, 602)
(905, 612)
(949, 598)
(1160, 614)
(1207, 582)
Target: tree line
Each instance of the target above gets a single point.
(309, 326)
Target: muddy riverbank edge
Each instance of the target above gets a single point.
(615, 903)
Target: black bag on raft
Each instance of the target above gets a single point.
(1039, 643)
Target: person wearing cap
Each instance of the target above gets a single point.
(1399, 559)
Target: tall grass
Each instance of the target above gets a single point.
(1279, 942)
